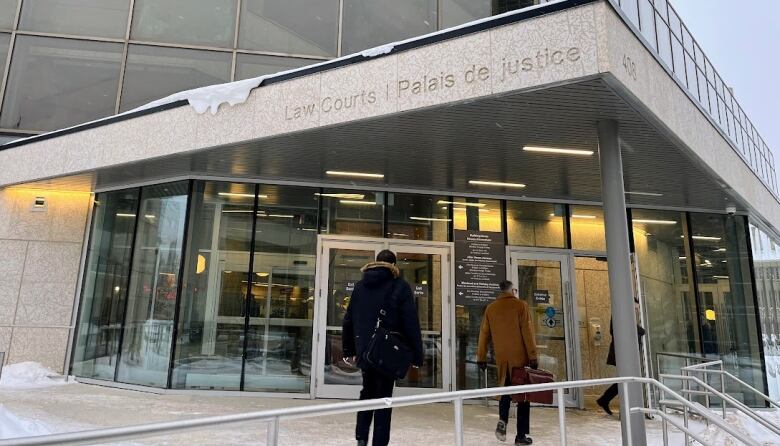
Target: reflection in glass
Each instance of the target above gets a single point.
(423, 273)
(457, 12)
(766, 262)
(55, 83)
(343, 273)
(665, 272)
(105, 284)
(587, 228)
(101, 18)
(210, 336)
(476, 214)
(306, 27)
(5, 41)
(418, 217)
(154, 278)
(211, 23)
(155, 72)
(728, 314)
(281, 304)
(535, 224)
(255, 65)
(352, 213)
(7, 13)
(370, 23)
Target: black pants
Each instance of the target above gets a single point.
(523, 413)
(609, 394)
(375, 385)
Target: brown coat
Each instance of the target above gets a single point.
(507, 323)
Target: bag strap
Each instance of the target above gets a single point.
(382, 312)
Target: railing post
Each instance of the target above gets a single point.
(624, 401)
(458, 421)
(273, 432)
(707, 395)
(562, 415)
(723, 389)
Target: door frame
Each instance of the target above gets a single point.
(318, 388)
(569, 301)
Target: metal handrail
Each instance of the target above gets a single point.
(704, 369)
(671, 420)
(457, 397)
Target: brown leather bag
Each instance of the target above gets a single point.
(526, 375)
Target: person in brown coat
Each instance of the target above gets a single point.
(507, 324)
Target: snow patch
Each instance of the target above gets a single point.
(29, 375)
(378, 50)
(14, 426)
(746, 426)
(211, 97)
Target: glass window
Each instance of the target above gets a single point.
(105, 284)
(766, 260)
(154, 279)
(727, 307)
(5, 41)
(56, 83)
(281, 306)
(352, 212)
(254, 65)
(370, 23)
(476, 214)
(5, 139)
(457, 12)
(587, 228)
(211, 23)
(418, 217)
(536, 224)
(290, 26)
(155, 72)
(665, 271)
(7, 13)
(210, 335)
(103, 18)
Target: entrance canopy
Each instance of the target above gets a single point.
(451, 113)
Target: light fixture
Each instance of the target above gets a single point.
(116, 289)
(721, 277)
(201, 265)
(235, 194)
(235, 211)
(429, 219)
(683, 258)
(341, 173)
(558, 151)
(707, 238)
(358, 202)
(462, 203)
(584, 216)
(126, 215)
(646, 194)
(279, 216)
(395, 234)
(262, 274)
(150, 216)
(709, 315)
(654, 222)
(496, 183)
(464, 210)
(309, 229)
(344, 196)
(720, 250)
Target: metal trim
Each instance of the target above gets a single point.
(756, 306)
(194, 392)
(248, 296)
(693, 278)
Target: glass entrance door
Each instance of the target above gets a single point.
(426, 267)
(543, 281)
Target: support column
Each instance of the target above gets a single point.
(620, 278)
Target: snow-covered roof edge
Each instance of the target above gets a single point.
(233, 93)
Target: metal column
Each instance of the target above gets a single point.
(621, 288)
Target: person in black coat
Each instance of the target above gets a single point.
(380, 288)
(612, 391)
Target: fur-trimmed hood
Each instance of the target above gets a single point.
(373, 265)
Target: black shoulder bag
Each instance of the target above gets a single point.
(388, 351)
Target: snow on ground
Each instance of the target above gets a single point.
(29, 375)
(14, 426)
(748, 427)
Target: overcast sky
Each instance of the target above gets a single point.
(742, 40)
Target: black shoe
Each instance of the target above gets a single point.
(523, 440)
(362, 443)
(604, 405)
(501, 430)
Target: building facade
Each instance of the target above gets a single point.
(174, 250)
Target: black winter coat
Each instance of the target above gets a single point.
(380, 283)
(611, 355)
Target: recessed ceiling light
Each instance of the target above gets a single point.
(589, 217)
(495, 183)
(126, 215)
(358, 202)
(654, 222)
(647, 194)
(235, 211)
(707, 238)
(558, 151)
(720, 250)
(341, 173)
(462, 203)
(233, 194)
(344, 196)
(280, 216)
(429, 219)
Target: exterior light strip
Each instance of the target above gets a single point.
(232, 194)
(340, 173)
(358, 203)
(496, 183)
(647, 194)
(654, 222)
(558, 151)
(345, 196)
(429, 219)
(462, 203)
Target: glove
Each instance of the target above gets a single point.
(482, 365)
(534, 364)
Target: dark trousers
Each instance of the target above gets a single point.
(375, 385)
(523, 412)
(609, 394)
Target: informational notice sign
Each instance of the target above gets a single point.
(541, 296)
(420, 291)
(479, 266)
